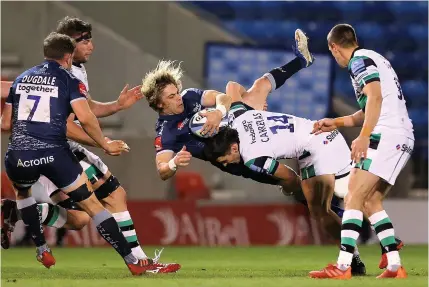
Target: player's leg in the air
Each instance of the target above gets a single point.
(256, 96)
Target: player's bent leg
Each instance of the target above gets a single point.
(318, 192)
(385, 231)
(114, 198)
(27, 207)
(81, 192)
(360, 186)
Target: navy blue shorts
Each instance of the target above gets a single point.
(59, 165)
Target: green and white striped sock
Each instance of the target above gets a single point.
(386, 234)
(52, 215)
(127, 227)
(350, 229)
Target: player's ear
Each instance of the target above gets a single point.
(234, 148)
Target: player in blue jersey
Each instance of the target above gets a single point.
(106, 186)
(161, 88)
(40, 101)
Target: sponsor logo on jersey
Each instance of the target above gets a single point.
(398, 146)
(260, 123)
(82, 89)
(197, 108)
(35, 162)
(325, 142)
(248, 128)
(28, 88)
(332, 135)
(181, 124)
(158, 143)
(406, 149)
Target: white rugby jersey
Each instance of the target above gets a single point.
(367, 66)
(266, 136)
(79, 72)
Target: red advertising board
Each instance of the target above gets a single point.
(187, 223)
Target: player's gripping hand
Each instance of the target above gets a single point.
(211, 127)
(324, 125)
(183, 157)
(116, 147)
(359, 148)
(129, 97)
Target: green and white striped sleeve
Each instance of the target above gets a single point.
(363, 70)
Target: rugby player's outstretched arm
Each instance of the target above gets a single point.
(89, 122)
(77, 134)
(167, 164)
(164, 171)
(126, 99)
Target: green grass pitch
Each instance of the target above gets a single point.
(227, 266)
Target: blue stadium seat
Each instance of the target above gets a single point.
(416, 93)
(404, 12)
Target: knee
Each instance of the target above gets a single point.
(77, 222)
(372, 206)
(261, 85)
(317, 210)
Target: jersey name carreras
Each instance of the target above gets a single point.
(367, 66)
(266, 136)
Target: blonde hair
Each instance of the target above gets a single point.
(154, 82)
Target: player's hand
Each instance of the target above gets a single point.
(211, 127)
(324, 125)
(116, 147)
(359, 148)
(129, 97)
(183, 157)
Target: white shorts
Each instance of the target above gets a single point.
(327, 153)
(387, 155)
(93, 166)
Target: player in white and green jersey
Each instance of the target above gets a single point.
(380, 151)
(260, 138)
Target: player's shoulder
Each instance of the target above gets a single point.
(162, 129)
(191, 91)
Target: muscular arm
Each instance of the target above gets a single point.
(354, 120)
(212, 97)
(77, 134)
(89, 122)
(162, 166)
(101, 110)
(372, 108)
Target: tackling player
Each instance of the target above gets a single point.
(381, 150)
(162, 89)
(40, 101)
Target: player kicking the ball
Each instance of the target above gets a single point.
(380, 152)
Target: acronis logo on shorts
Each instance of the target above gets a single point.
(35, 162)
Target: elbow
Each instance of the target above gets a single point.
(5, 127)
(232, 86)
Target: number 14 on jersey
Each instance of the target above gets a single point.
(280, 123)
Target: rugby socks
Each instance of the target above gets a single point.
(109, 230)
(52, 215)
(279, 75)
(127, 227)
(31, 216)
(386, 234)
(351, 225)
